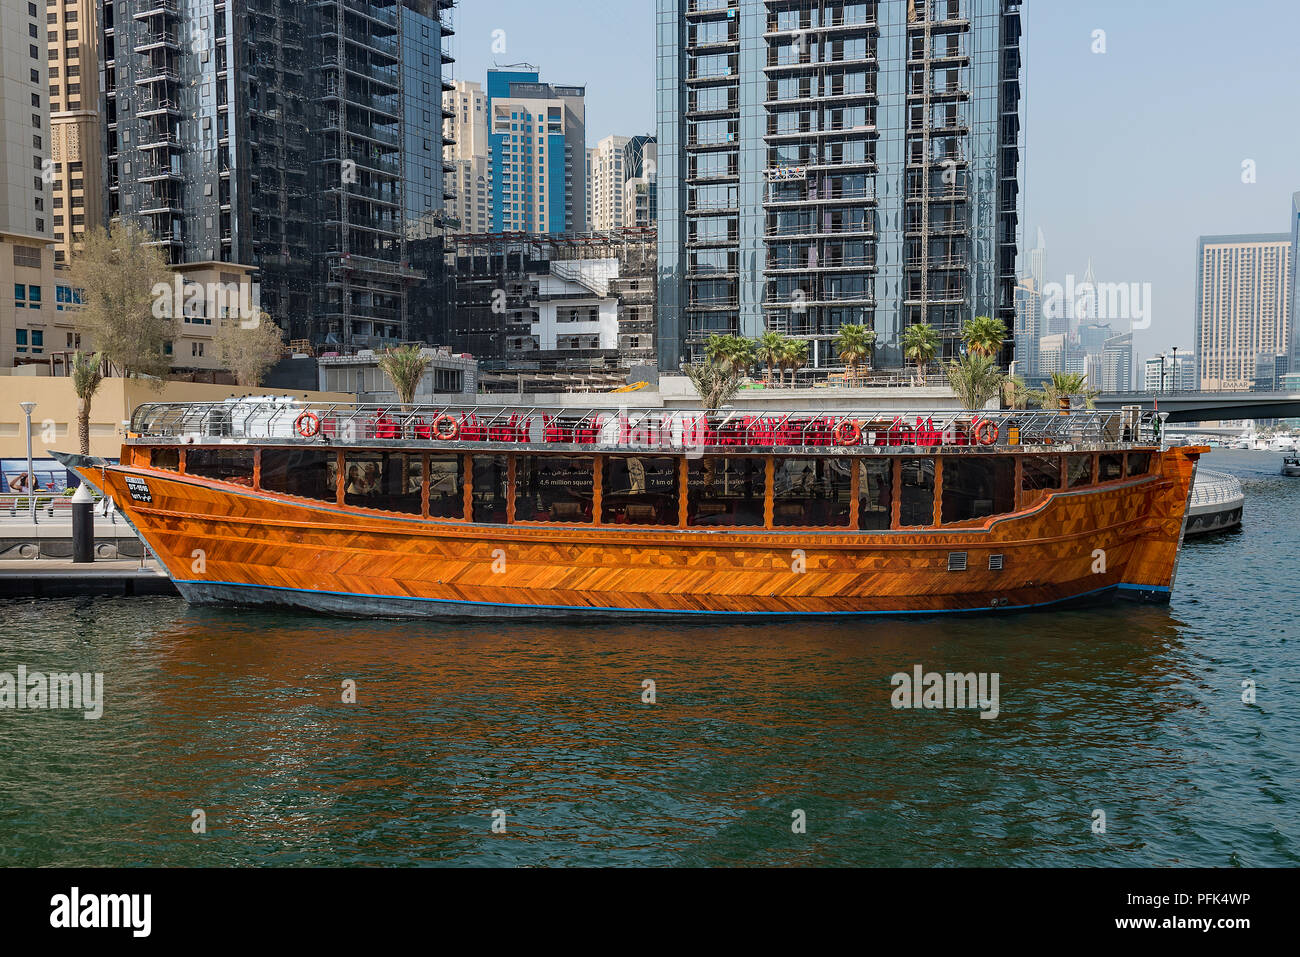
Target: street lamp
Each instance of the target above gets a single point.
(1161, 357)
(1174, 369)
(27, 408)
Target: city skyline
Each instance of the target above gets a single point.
(1145, 96)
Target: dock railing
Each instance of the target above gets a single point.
(287, 421)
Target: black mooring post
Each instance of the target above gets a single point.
(83, 525)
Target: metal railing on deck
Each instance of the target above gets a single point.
(284, 420)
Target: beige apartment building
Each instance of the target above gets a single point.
(77, 199)
(466, 153)
(1243, 293)
(605, 183)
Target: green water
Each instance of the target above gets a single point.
(1134, 711)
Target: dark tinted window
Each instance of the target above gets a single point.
(1110, 467)
(554, 488)
(875, 493)
(229, 465)
(165, 459)
(311, 473)
(976, 486)
(446, 487)
(916, 497)
(725, 491)
(1040, 472)
(812, 492)
(1139, 463)
(639, 490)
(491, 488)
(1078, 469)
(386, 480)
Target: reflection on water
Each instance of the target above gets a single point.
(1129, 709)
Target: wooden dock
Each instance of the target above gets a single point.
(56, 578)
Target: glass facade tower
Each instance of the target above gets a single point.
(824, 162)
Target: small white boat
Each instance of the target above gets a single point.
(1291, 465)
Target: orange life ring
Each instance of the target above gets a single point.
(445, 436)
(848, 432)
(307, 424)
(986, 432)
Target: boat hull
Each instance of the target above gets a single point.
(230, 545)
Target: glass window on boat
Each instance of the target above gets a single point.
(1110, 466)
(1078, 470)
(311, 473)
(725, 490)
(916, 496)
(554, 488)
(1139, 463)
(638, 490)
(1039, 472)
(228, 465)
(491, 477)
(977, 486)
(875, 492)
(812, 492)
(169, 459)
(385, 480)
(446, 487)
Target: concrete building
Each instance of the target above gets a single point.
(1294, 348)
(468, 199)
(828, 163)
(75, 123)
(566, 303)
(360, 375)
(1243, 305)
(1116, 366)
(1027, 331)
(537, 135)
(1179, 375)
(621, 182)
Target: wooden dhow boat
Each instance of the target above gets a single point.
(506, 512)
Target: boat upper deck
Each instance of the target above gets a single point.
(280, 421)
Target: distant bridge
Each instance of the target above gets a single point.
(1209, 406)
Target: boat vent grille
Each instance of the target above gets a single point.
(995, 563)
(956, 561)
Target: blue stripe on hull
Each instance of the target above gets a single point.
(354, 605)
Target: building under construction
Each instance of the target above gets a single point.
(576, 308)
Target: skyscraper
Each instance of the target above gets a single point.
(467, 153)
(613, 163)
(1029, 312)
(1293, 358)
(75, 121)
(1243, 305)
(1116, 365)
(537, 135)
(828, 163)
(271, 135)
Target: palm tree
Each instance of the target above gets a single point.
(975, 379)
(796, 356)
(731, 354)
(86, 377)
(768, 350)
(714, 385)
(983, 335)
(1063, 385)
(405, 366)
(1015, 394)
(854, 342)
(920, 343)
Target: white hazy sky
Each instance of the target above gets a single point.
(1131, 154)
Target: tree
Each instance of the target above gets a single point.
(405, 366)
(975, 379)
(1015, 394)
(249, 351)
(121, 282)
(854, 342)
(86, 377)
(794, 356)
(983, 335)
(1064, 384)
(768, 350)
(732, 354)
(920, 343)
(714, 385)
